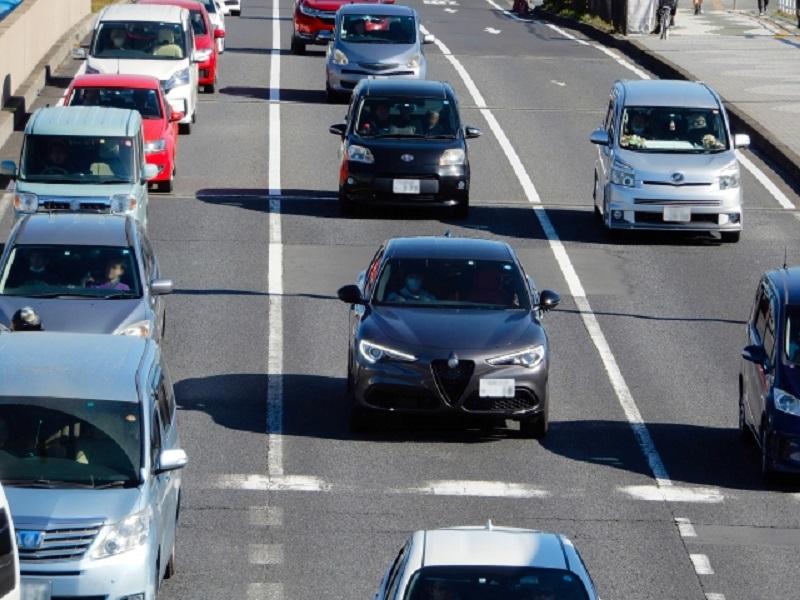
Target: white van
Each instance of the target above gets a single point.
(149, 39)
(9, 558)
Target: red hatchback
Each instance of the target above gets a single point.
(313, 21)
(205, 40)
(142, 93)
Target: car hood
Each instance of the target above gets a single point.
(75, 190)
(398, 54)
(76, 315)
(387, 151)
(34, 507)
(695, 168)
(161, 69)
(452, 329)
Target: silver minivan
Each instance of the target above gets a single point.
(666, 160)
(90, 462)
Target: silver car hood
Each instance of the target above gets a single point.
(379, 53)
(77, 315)
(34, 508)
(695, 168)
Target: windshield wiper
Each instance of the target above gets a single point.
(46, 483)
(115, 484)
(110, 180)
(118, 296)
(400, 135)
(440, 136)
(51, 295)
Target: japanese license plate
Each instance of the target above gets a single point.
(496, 388)
(35, 590)
(677, 214)
(405, 186)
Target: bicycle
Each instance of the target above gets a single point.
(521, 8)
(665, 9)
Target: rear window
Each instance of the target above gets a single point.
(143, 100)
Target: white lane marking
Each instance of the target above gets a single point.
(713, 596)
(479, 489)
(702, 566)
(265, 591)
(492, 30)
(667, 492)
(685, 527)
(452, 11)
(762, 178)
(508, 13)
(265, 516)
(299, 483)
(275, 263)
(558, 83)
(441, 2)
(266, 554)
(567, 35)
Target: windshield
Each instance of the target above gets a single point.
(198, 23)
(144, 100)
(675, 130)
(43, 271)
(211, 6)
(139, 40)
(61, 441)
(77, 159)
(376, 29)
(452, 283)
(494, 583)
(406, 117)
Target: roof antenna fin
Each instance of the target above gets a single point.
(447, 233)
(489, 525)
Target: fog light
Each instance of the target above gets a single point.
(461, 185)
(616, 215)
(350, 181)
(734, 217)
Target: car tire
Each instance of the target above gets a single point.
(535, 428)
(767, 472)
(361, 420)
(236, 13)
(184, 128)
(461, 210)
(332, 96)
(730, 237)
(210, 88)
(298, 47)
(744, 428)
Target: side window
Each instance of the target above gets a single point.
(609, 122)
(372, 273)
(769, 334)
(8, 574)
(147, 257)
(155, 439)
(762, 309)
(394, 575)
(165, 401)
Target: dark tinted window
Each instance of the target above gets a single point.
(762, 309)
(198, 23)
(7, 570)
(78, 159)
(145, 101)
(377, 29)
(431, 117)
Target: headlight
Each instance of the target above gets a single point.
(126, 535)
(372, 353)
(156, 146)
(787, 403)
(179, 78)
(413, 63)
(339, 57)
(203, 55)
(729, 178)
(27, 203)
(360, 154)
(622, 174)
(122, 203)
(530, 357)
(139, 329)
(307, 10)
(452, 156)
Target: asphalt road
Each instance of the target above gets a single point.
(281, 501)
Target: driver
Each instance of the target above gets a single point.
(412, 291)
(380, 122)
(404, 124)
(56, 159)
(435, 590)
(118, 38)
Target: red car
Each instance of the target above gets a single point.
(205, 39)
(142, 93)
(313, 21)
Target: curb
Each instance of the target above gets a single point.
(762, 140)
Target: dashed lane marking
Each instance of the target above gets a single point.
(701, 564)
(713, 596)
(673, 493)
(266, 554)
(685, 527)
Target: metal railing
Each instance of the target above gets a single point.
(787, 6)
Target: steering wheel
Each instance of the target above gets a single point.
(54, 171)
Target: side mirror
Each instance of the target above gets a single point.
(428, 39)
(160, 287)
(600, 137)
(8, 168)
(350, 294)
(219, 33)
(326, 35)
(149, 171)
(548, 299)
(78, 53)
(472, 133)
(755, 354)
(741, 140)
(176, 116)
(338, 129)
(171, 460)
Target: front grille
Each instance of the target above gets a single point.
(62, 544)
(683, 202)
(673, 184)
(378, 66)
(452, 382)
(523, 400)
(367, 73)
(58, 205)
(401, 398)
(78, 597)
(658, 218)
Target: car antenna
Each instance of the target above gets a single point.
(785, 256)
(489, 525)
(447, 233)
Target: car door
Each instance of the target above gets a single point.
(757, 376)
(150, 266)
(159, 484)
(164, 402)
(604, 153)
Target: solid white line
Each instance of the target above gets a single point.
(479, 489)
(685, 527)
(265, 591)
(275, 263)
(702, 566)
(762, 178)
(266, 554)
(713, 596)
(666, 492)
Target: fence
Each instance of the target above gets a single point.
(787, 6)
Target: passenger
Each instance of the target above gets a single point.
(26, 319)
(436, 590)
(109, 162)
(359, 29)
(412, 291)
(115, 269)
(433, 125)
(404, 124)
(697, 128)
(166, 46)
(380, 122)
(36, 272)
(56, 159)
(118, 39)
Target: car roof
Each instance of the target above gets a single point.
(143, 82)
(77, 229)
(84, 120)
(141, 12)
(668, 92)
(70, 365)
(787, 283)
(447, 247)
(372, 8)
(404, 87)
(495, 546)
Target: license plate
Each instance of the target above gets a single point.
(677, 214)
(405, 186)
(35, 590)
(496, 388)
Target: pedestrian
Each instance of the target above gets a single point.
(762, 7)
(698, 7)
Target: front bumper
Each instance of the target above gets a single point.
(181, 99)
(442, 186)
(784, 442)
(428, 386)
(643, 208)
(343, 78)
(314, 30)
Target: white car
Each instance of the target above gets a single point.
(9, 563)
(216, 14)
(232, 7)
(149, 39)
(487, 562)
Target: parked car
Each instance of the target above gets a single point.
(9, 563)
(232, 7)
(374, 41)
(82, 158)
(147, 39)
(769, 386)
(404, 144)
(666, 160)
(487, 562)
(144, 94)
(205, 40)
(84, 273)
(313, 21)
(442, 325)
(91, 465)
(217, 17)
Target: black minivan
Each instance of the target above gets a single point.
(404, 144)
(769, 380)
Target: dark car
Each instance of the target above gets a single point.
(769, 381)
(448, 325)
(83, 273)
(404, 144)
